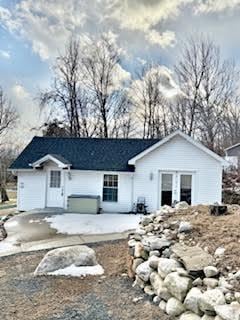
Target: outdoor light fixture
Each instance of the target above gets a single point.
(151, 176)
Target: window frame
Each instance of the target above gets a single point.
(110, 183)
(55, 179)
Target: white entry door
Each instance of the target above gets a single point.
(175, 186)
(54, 188)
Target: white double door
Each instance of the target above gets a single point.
(55, 188)
(176, 186)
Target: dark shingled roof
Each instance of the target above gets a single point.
(85, 153)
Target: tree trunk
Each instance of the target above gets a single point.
(4, 195)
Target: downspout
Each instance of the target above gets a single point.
(132, 190)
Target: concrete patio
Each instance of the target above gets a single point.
(53, 228)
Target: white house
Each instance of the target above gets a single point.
(120, 171)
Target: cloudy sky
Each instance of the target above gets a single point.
(33, 32)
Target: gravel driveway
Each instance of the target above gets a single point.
(109, 297)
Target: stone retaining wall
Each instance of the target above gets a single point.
(182, 280)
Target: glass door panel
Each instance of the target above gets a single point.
(186, 188)
(166, 188)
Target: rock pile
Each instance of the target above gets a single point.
(182, 280)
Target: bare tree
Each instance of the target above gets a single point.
(208, 85)
(8, 114)
(101, 65)
(8, 117)
(84, 91)
(150, 106)
(230, 134)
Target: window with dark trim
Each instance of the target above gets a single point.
(55, 179)
(110, 188)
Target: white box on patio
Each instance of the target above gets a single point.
(85, 204)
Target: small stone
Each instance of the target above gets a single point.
(137, 237)
(157, 283)
(210, 299)
(191, 300)
(154, 253)
(206, 317)
(210, 282)
(138, 282)
(156, 300)
(166, 253)
(162, 305)
(136, 263)
(174, 307)
(159, 244)
(166, 266)
(149, 291)
(137, 299)
(237, 296)
(165, 210)
(210, 271)
(219, 252)
(140, 252)
(228, 312)
(146, 221)
(185, 227)
(144, 270)
(182, 205)
(197, 282)
(229, 297)
(237, 275)
(153, 262)
(132, 243)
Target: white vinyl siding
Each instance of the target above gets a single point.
(91, 183)
(31, 190)
(178, 155)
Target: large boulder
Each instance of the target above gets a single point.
(166, 266)
(177, 285)
(194, 259)
(144, 270)
(174, 307)
(228, 312)
(158, 286)
(62, 258)
(189, 316)
(191, 300)
(210, 299)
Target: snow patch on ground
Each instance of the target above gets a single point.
(6, 246)
(71, 223)
(81, 271)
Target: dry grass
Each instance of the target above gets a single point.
(211, 232)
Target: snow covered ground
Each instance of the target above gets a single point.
(71, 223)
(82, 271)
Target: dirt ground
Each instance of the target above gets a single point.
(211, 232)
(108, 297)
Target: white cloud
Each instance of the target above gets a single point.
(19, 92)
(5, 54)
(47, 24)
(209, 6)
(165, 39)
(29, 114)
(145, 14)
